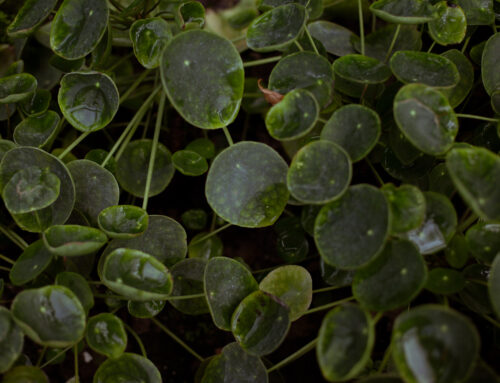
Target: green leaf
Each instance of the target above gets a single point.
(226, 283)
(473, 171)
(31, 189)
(123, 221)
(260, 323)
(294, 116)
(444, 281)
(11, 340)
(292, 245)
(37, 130)
(164, 239)
(25, 374)
(203, 146)
(335, 277)
(438, 227)
(16, 87)
(145, 309)
(194, 219)
(361, 69)
(335, 38)
(79, 286)
(399, 264)
(434, 343)
(303, 70)
(190, 15)
(73, 240)
(277, 28)
(449, 26)
(407, 206)
(352, 230)
(96, 188)
(314, 7)
(233, 364)
(425, 68)
(475, 295)
(320, 172)
(132, 168)
(149, 39)
(494, 285)
(458, 93)
(246, 184)
(188, 277)
(292, 285)
(426, 118)
(30, 264)
(489, 64)
(66, 66)
(483, 241)
(136, 275)
(88, 100)
(78, 27)
(29, 17)
(478, 12)
(38, 103)
(456, 253)
(345, 341)
(189, 163)
(212, 97)
(106, 335)
(127, 368)
(207, 248)
(51, 316)
(404, 11)
(355, 128)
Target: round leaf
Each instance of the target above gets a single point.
(88, 100)
(51, 316)
(211, 98)
(335, 38)
(404, 11)
(127, 368)
(149, 38)
(188, 277)
(449, 26)
(434, 343)
(407, 205)
(132, 168)
(246, 184)
(494, 285)
(37, 130)
(30, 264)
(207, 248)
(38, 103)
(352, 230)
(226, 283)
(106, 335)
(444, 281)
(78, 27)
(361, 69)
(203, 146)
(426, 118)
(79, 286)
(145, 309)
(489, 64)
(319, 173)
(400, 264)
(189, 163)
(123, 221)
(345, 341)
(483, 241)
(73, 240)
(25, 374)
(16, 87)
(355, 128)
(458, 93)
(30, 16)
(11, 340)
(478, 12)
(136, 275)
(260, 323)
(194, 219)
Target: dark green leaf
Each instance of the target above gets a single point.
(31, 263)
(334, 37)
(79, 286)
(361, 69)
(123, 221)
(494, 285)
(458, 93)
(444, 281)
(16, 87)
(489, 64)
(38, 103)
(478, 12)
(11, 340)
(127, 368)
(188, 277)
(189, 163)
(106, 335)
(404, 11)
(149, 39)
(407, 205)
(30, 16)
(483, 241)
(37, 131)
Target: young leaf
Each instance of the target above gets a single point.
(106, 335)
(149, 39)
(73, 240)
(123, 221)
(449, 26)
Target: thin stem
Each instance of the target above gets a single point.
(491, 320)
(311, 40)
(333, 3)
(73, 145)
(473, 116)
(205, 237)
(181, 297)
(329, 305)
(134, 85)
(152, 157)
(361, 27)
(469, 221)
(393, 42)
(377, 176)
(7, 259)
(150, 113)
(4, 268)
(239, 38)
(329, 288)
(377, 317)
(137, 339)
(431, 47)
(14, 237)
(135, 120)
(478, 281)
(466, 43)
(262, 61)
(228, 136)
(75, 352)
(40, 357)
(297, 354)
(120, 61)
(301, 48)
(322, 120)
(385, 359)
(177, 339)
(55, 357)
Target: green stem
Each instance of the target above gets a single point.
(311, 40)
(322, 120)
(301, 48)
(4, 268)
(333, 3)
(152, 157)
(177, 339)
(385, 359)
(135, 120)
(361, 27)
(55, 357)
(466, 43)
(205, 237)
(137, 339)
(377, 176)
(73, 145)
(431, 47)
(377, 317)
(472, 116)
(150, 113)
(120, 61)
(181, 297)
(491, 320)
(228, 136)
(262, 61)
(134, 85)
(329, 288)
(7, 259)
(238, 39)
(75, 352)
(469, 221)
(393, 42)
(329, 305)
(478, 281)
(13, 237)
(40, 357)
(297, 354)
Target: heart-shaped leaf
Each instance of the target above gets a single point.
(123, 221)
(37, 131)
(73, 240)
(106, 335)
(149, 39)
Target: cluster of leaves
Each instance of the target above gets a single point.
(419, 251)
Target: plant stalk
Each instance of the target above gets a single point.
(228, 136)
(393, 42)
(361, 27)
(137, 339)
(297, 354)
(329, 305)
(80, 138)
(474, 117)
(262, 61)
(210, 234)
